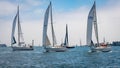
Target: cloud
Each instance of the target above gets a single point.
(32, 22)
(76, 20)
(108, 23)
(35, 2)
(108, 20)
(6, 8)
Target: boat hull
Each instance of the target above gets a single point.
(70, 47)
(103, 49)
(22, 48)
(55, 49)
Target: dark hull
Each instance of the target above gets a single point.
(22, 48)
(70, 47)
(3, 45)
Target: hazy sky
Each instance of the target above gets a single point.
(71, 12)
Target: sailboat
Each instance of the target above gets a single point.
(66, 41)
(92, 21)
(20, 44)
(46, 42)
(3, 45)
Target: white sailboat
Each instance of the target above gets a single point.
(92, 21)
(20, 44)
(46, 42)
(66, 41)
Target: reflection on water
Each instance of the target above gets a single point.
(79, 57)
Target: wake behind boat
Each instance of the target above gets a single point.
(21, 46)
(46, 42)
(92, 20)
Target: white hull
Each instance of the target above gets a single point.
(56, 49)
(22, 48)
(102, 49)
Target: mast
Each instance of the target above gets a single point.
(80, 42)
(53, 34)
(104, 40)
(18, 28)
(66, 43)
(67, 34)
(95, 24)
(32, 42)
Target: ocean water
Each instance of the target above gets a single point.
(79, 57)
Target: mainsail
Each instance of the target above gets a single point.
(45, 37)
(45, 26)
(92, 20)
(13, 40)
(20, 35)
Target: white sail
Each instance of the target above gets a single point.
(53, 33)
(47, 41)
(45, 26)
(89, 24)
(45, 38)
(13, 41)
(16, 21)
(21, 35)
(92, 20)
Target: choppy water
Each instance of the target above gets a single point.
(79, 57)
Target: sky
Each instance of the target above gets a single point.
(71, 12)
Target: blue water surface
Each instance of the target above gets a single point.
(79, 57)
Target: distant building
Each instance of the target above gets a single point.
(116, 43)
